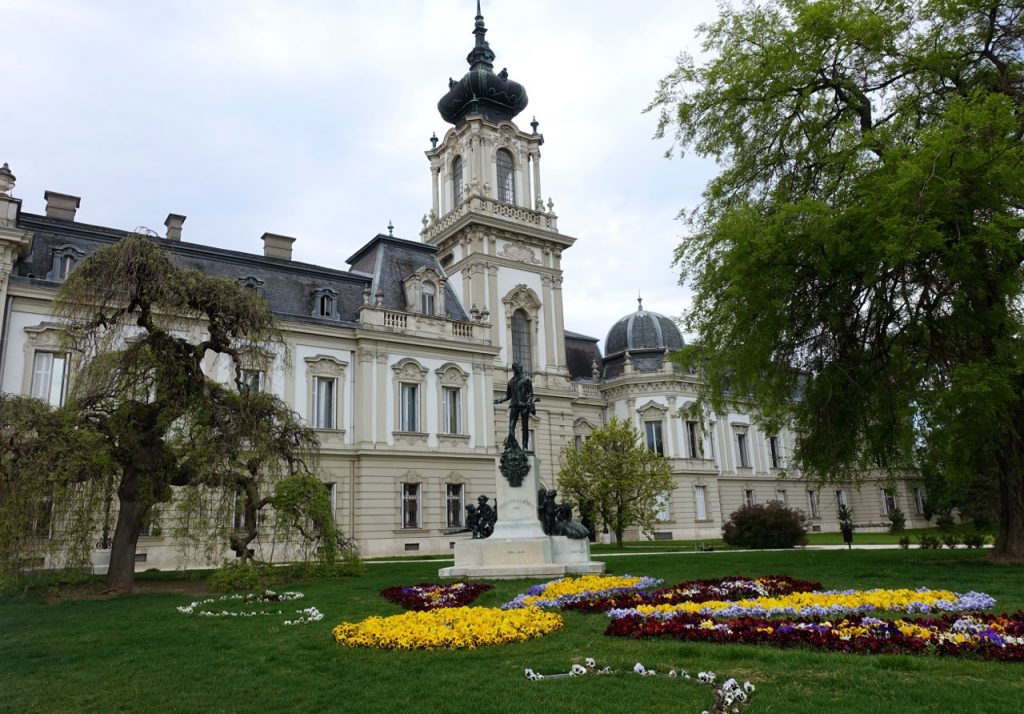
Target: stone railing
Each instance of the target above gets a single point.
(518, 214)
(586, 389)
(423, 325)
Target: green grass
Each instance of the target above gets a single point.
(137, 654)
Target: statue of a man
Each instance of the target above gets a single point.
(520, 395)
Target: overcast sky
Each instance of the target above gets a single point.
(310, 119)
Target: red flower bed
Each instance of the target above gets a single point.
(736, 588)
(431, 596)
(998, 637)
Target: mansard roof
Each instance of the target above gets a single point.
(289, 286)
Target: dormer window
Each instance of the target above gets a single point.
(456, 181)
(506, 177)
(325, 303)
(252, 283)
(65, 258)
(428, 294)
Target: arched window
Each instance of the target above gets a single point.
(456, 181)
(506, 177)
(522, 347)
(427, 294)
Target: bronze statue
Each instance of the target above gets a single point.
(520, 393)
(556, 518)
(480, 519)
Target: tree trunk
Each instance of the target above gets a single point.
(130, 516)
(1009, 547)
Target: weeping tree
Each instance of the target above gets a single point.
(141, 329)
(618, 478)
(856, 265)
(54, 476)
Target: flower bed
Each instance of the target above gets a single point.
(430, 596)
(448, 628)
(998, 637)
(823, 604)
(734, 588)
(559, 593)
(209, 607)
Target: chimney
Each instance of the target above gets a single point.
(173, 223)
(61, 205)
(275, 246)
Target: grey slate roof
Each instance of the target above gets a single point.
(581, 351)
(289, 286)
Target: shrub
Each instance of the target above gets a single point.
(974, 540)
(904, 542)
(769, 525)
(897, 521)
(238, 577)
(951, 540)
(945, 522)
(929, 542)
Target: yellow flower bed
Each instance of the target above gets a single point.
(559, 590)
(448, 628)
(879, 599)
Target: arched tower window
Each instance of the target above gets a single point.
(456, 181)
(506, 177)
(522, 347)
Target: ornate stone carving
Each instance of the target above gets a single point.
(519, 253)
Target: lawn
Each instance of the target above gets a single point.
(138, 654)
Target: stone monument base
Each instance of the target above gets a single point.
(532, 557)
(518, 547)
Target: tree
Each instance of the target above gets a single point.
(140, 330)
(856, 265)
(617, 477)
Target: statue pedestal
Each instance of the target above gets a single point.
(518, 547)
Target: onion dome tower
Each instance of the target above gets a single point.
(481, 91)
(641, 339)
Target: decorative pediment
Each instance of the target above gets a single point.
(451, 375)
(583, 427)
(521, 297)
(325, 366)
(409, 370)
(652, 410)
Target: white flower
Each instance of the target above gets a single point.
(577, 670)
(591, 662)
(748, 687)
(741, 697)
(639, 668)
(672, 673)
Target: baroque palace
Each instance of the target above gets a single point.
(396, 360)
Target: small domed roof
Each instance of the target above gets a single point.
(481, 91)
(642, 331)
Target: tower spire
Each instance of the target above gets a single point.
(481, 56)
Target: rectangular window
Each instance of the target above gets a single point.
(701, 502)
(49, 377)
(453, 498)
(332, 495)
(324, 408)
(410, 505)
(919, 501)
(577, 441)
(840, 498)
(748, 497)
(773, 446)
(252, 381)
(661, 510)
(427, 301)
(711, 443)
(812, 502)
(452, 397)
(692, 439)
(888, 501)
(652, 429)
(409, 416)
(741, 446)
(42, 524)
(780, 496)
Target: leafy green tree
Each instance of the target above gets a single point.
(151, 425)
(619, 479)
(856, 265)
